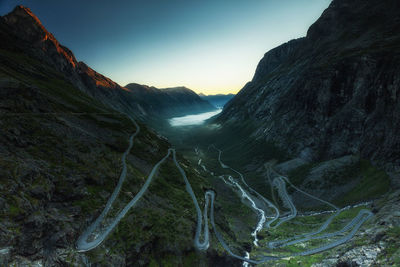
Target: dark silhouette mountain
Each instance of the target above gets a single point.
(218, 100)
(168, 102)
(334, 92)
(22, 31)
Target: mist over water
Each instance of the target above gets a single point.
(193, 119)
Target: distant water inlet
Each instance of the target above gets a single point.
(193, 119)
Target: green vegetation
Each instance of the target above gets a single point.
(373, 183)
(14, 211)
(303, 225)
(75, 159)
(392, 252)
(169, 216)
(235, 140)
(301, 261)
(298, 175)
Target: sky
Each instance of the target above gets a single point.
(210, 46)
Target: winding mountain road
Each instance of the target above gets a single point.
(83, 244)
(280, 183)
(93, 236)
(287, 201)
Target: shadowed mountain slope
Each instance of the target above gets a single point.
(168, 102)
(334, 92)
(21, 31)
(217, 100)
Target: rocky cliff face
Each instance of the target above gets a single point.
(22, 31)
(334, 92)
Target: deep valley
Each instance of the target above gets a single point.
(300, 168)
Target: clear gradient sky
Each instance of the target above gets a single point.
(210, 46)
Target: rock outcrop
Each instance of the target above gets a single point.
(334, 92)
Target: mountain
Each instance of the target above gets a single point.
(21, 31)
(324, 111)
(64, 131)
(67, 133)
(334, 92)
(168, 102)
(218, 100)
(325, 107)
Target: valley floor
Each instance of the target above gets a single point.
(351, 227)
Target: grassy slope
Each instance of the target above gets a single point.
(58, 170)
(372, 182)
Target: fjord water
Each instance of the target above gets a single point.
(197, 119)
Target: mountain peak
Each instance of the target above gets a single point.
(27, 27)
(22, 10)
(26, 21)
